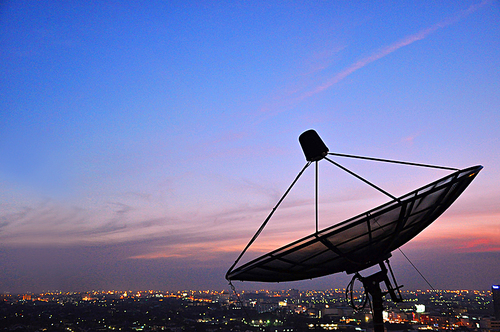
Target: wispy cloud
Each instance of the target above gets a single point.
(408, 140)
(295, 94)
(52, 223)
(392, 48)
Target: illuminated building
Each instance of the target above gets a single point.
(495, 289)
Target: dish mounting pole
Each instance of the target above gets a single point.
(371, 285)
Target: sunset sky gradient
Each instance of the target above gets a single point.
(143, 144)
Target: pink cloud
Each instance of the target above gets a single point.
(410, 139)
(478, 245)
(466, 243)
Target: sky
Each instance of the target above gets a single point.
(142, 144)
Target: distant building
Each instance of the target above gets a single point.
(293, 293)
(266, 306)
(495, 289)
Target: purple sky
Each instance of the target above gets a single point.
(143, 144)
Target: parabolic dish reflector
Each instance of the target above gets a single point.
(361, 241)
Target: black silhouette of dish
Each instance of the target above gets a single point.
(362, 241)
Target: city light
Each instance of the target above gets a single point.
(270, 310)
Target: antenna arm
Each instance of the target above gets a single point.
(392, 161)
(261, 228)
(362, 179)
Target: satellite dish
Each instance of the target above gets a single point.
(361, 241)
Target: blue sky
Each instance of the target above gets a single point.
(142, 144)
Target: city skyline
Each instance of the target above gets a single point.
(290, 310)
(142, 145)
